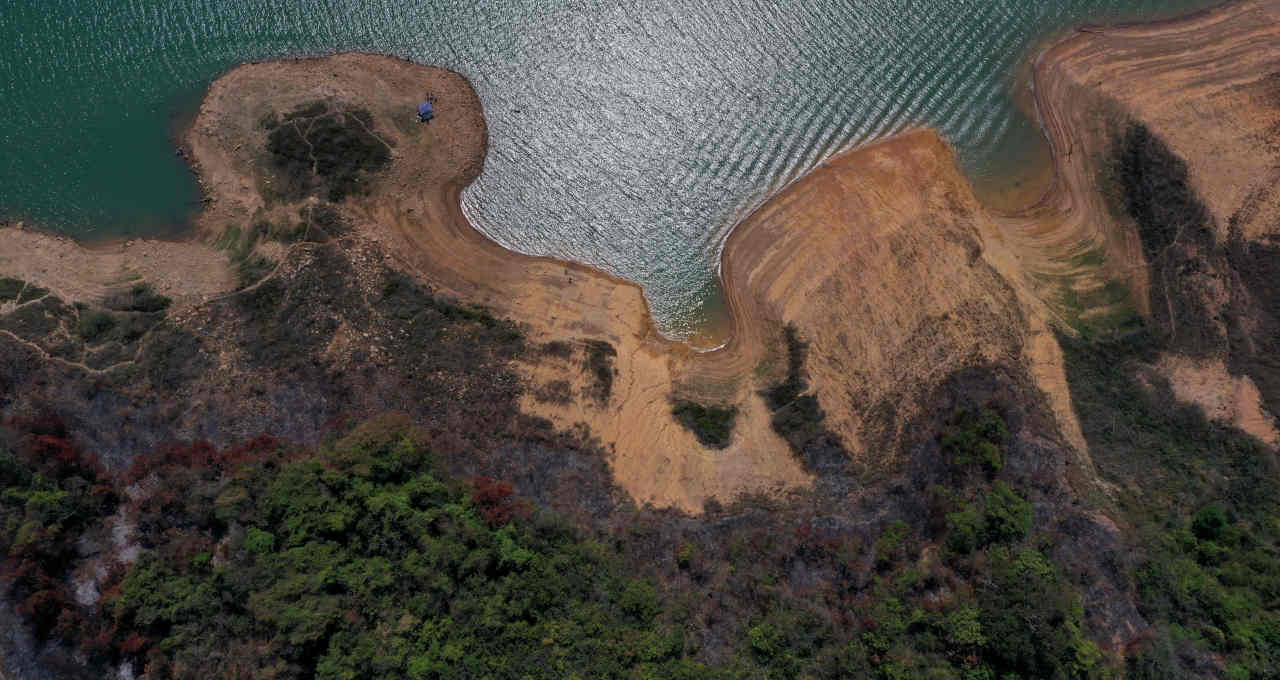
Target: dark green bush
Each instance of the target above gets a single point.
(94, 324)
(976, 438)
(891, 544)
(10, 288)
(1031, 619)
(1007, 517)
(712, 425)
(1209, 522)
(965, 530)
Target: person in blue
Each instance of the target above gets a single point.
(426, 112)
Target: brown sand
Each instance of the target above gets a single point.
(187, 272)
(1209, 86)
(883, 258)
(1230, 399)
(1201, 83)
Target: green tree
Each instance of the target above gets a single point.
(1008, 516)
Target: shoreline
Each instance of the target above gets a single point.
(882, 256)
(1045, 174)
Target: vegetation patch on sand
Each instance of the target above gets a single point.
(797, 415)
(712, 424)
(324, 149)
(599, 363)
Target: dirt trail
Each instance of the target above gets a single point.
(883, 258)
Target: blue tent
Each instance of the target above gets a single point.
(426, 111)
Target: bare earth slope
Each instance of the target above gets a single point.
(1206, 93)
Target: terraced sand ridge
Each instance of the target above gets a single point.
(1202, 83)
(1208, 88)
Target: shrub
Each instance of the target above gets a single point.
(684, 554)
(94, 324)
(965, 530)
(712, 425)
(32, 292)
(891, 544)
(1209, 522)
(639, 600)
(765, 640)
(976, 438)
(1008, 516)
(172, 356)
(258, 541)
(10, 288)
(137, 298)
(495, 501)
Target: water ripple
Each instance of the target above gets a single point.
(624, 134)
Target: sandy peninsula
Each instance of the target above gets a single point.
(883, 259)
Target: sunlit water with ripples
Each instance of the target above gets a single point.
(628, 135)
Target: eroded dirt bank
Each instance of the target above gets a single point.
(1164, 205)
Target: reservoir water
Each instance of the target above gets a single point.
(631, 135)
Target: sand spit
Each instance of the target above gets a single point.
(883, 259)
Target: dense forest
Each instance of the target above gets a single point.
(364, 557)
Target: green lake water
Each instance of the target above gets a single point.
(628, 135)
